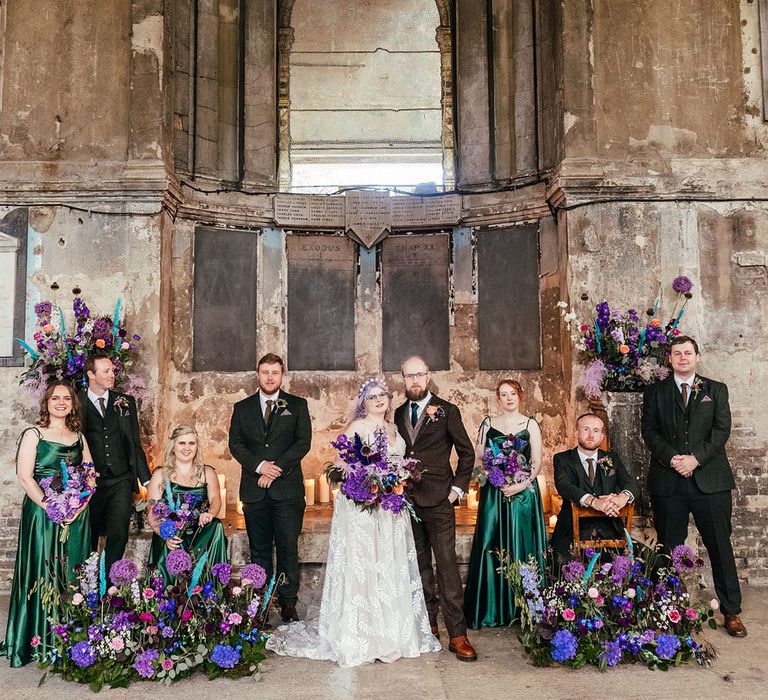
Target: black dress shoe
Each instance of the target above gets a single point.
(288, 613)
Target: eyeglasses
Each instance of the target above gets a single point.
(375, 397)
(415, 375)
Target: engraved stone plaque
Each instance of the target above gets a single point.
(309, 211)
(369, 217)
(425, 211)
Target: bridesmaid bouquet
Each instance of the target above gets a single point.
(504, 463)
(370, 476)
(176, 514)
(67, 492)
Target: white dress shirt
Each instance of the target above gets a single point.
(93, 397)
(263, 398)
(584, 456)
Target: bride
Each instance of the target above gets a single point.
(373, 602)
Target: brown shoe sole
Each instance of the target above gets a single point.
(461, 657)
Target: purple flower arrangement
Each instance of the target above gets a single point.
(622, 351)
(623, 611)
(68, 491)
(504, 463)
(370, 476)
(57, 353)
(178, 513)
(138, 629)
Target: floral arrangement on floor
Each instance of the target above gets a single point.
(177, 515)
(621, 351)
(504, 464)
(60, 354)
(208, 621)
(65, 493)
(623, 611)
(370, 476)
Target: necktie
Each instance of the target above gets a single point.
(102, 406)
(684, 390)
(591, 468)
(414, 413)
(268, 412)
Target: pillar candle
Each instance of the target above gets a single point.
(472, 499)
(239, 508)
(325, 490)
(544, 493)
(223, 494)
(309, 491)
(552, 521)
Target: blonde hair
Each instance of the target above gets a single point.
(169, 462)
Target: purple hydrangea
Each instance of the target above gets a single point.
(564, 645)
(225, 656)
(143, 663)
(83, 654)
(611, 653)
(682, 285)
(167, 529)
(223, 572)
(496, 477)
(177, 562)
(667, 646)
(122, 572)
(573, 570)
(255, 574)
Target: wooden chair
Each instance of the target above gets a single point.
(578, 512)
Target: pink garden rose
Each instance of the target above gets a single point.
(674, 616)
(167, 664)
(77, 599)
(117, 643)
(148, 593)
(35, 641)
(691, 614)
(593, 593)
(568, 614)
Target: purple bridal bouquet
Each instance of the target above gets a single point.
(67, 492)
(177, 514)
(370, 476)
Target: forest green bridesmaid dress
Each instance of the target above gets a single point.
(194, 539)
(40, 555)
(516, 526)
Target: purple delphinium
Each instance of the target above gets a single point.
(83, 654)
(255, 574)
(667, 646)
(122, 572)
(682, 285)
(143, 663)
(564, 645)
(573, 570)
(611, 653)
(177, 562)
(222, 571)
(225, 656)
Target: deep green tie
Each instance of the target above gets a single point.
(414, 413)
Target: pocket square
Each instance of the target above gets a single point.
(706, 398)
(286, 412)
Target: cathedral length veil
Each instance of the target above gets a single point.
(366, 602)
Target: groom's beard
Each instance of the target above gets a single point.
(415, 394)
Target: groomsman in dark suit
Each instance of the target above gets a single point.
(595, 479)
(111, 427)
(686, 424)
(269, 434)
(432, 427)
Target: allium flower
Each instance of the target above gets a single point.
(122, 572)
(684, 560)
(254, 574)
(667, 646)
(222, 571)
(83, 654)
(225, 656)
(573, 570)
(178, 561)
(682, 284)
(611, 653)
(564, 645)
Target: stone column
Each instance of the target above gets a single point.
(285, 43)
(445, 44)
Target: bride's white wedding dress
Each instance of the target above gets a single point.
(373, 603)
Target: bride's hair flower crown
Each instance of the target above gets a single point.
(371, 380)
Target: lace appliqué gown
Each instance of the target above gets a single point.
(373, 604)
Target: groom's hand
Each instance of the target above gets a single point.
(265, 482)
(270, 470)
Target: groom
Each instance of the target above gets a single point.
(431, 428)
(269, 434)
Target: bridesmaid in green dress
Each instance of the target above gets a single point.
(40, 555)
(516, 525)
(188, 476)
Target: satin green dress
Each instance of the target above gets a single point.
(516, 526)
(40, 555)
(194, 539)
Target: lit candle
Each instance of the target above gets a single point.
(543, 491)
(239, 507)
(472, 499)
(223, 493)
(325, 490)
(552, 521)
(309, 491)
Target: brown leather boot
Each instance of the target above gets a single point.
(462, 648)
(734, 626)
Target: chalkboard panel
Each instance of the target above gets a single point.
(415, 299)
(509, 328)
(322, 272)
(224, 318)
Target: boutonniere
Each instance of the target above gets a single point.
(606, 464)
(120, 404)
(281, 405)
(434, 413)
(697, 386)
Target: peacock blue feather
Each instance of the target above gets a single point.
(64, 473)
(31, 352)
(598, 338)
(642, 341)
(116, 318)
(197, 572)
(268, 594)
(102, 576)
(64, 333)
(169, 494)
(630, 546)
(591, 566)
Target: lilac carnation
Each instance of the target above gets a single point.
(682, 284)
(565, 644)
(222, 571)
(225, 656)
(122, 572)
(178, 561)
(667, 646)
(255, 574)
(83, 654)
(611, 653)
(573, 570)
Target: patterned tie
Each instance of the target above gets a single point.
(684, 390)
(414, 413)
(268, 412)
(591, 468)
(102, 406)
